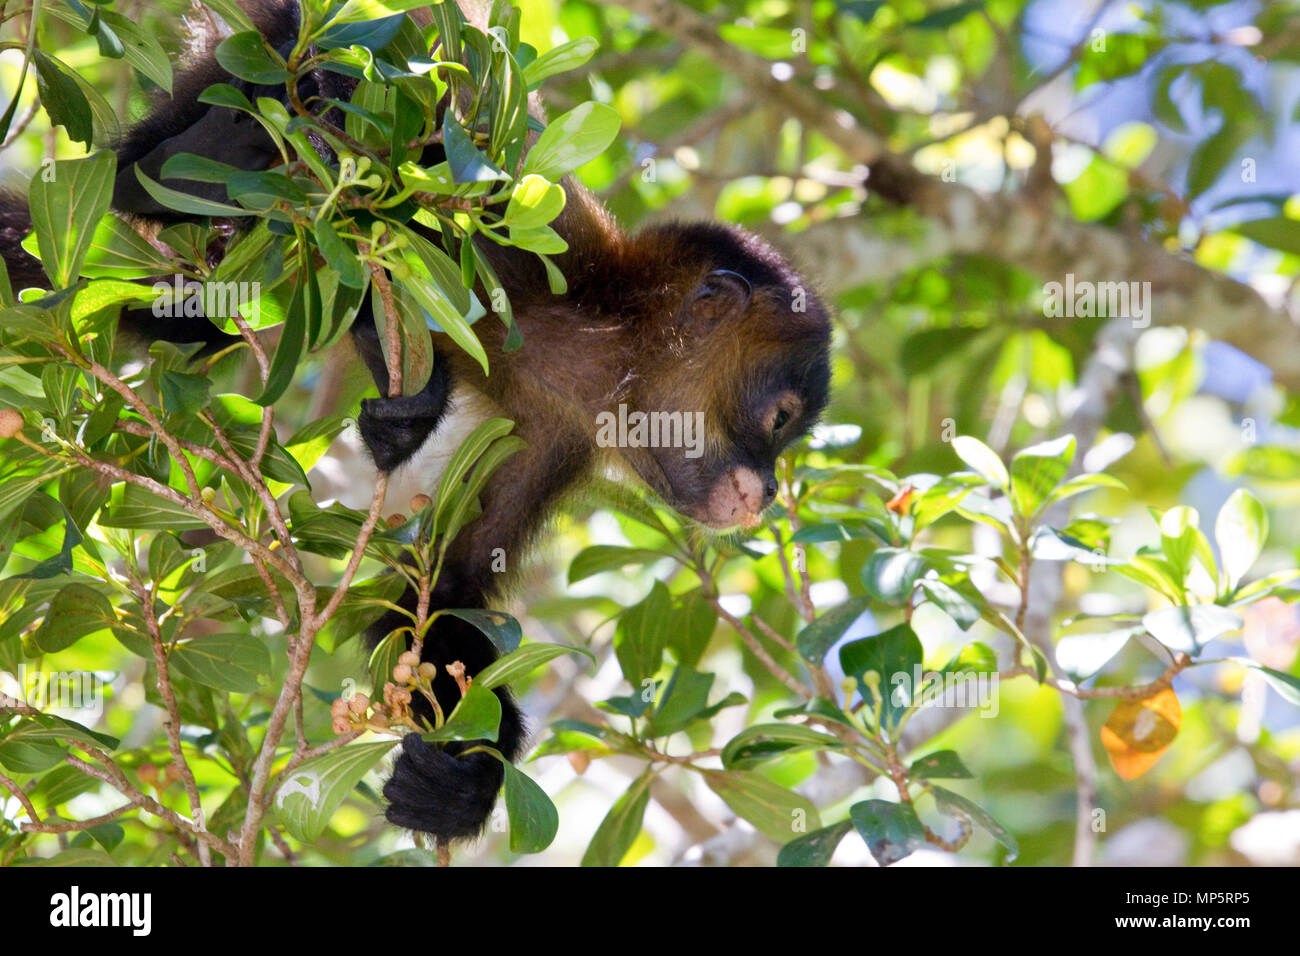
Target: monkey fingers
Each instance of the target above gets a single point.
(394, 429)
(435, 792)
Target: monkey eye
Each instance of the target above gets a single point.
(782, 419)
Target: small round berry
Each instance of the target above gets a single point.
(402, 673)
(579, 761)
(409, 658)
(11, 423)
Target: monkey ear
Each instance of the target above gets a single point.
(720, 294)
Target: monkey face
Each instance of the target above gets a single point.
(727, 364)
(766, 396)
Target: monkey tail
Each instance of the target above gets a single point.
(439, 788)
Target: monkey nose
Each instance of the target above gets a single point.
(769, 491)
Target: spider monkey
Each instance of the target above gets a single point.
(677, 318)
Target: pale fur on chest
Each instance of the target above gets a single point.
(421, 474)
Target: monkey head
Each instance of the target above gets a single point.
(741, 359)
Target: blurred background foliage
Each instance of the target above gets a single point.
(1169, 125)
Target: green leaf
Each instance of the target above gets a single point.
(982, 459)
(231, 12)
(1081, 483)
(62, 97)
(891, 831)
(1213, 155)
(1082, 655)
(511, 667)
(1190, 627)
(895, 656)
(642, 635)
(762, 742)
(685, 698)
(183, 393)
(77, 610)
(139, 510)
(67, 210)
(467, 163)
(533, 818)
(247, 57)
(609, 557)
(618, 831)
(141, 49)
(1287, 685)
(890, 574)
(694, 621)
(566, 56)
(815, 640)
(36, 742)
(816, 848)
(451, 484)
(433, 300)
(311, 792)
(1265, 586)
(947, 17)
(1037, 470)
(572, 140)
(1279, 232)
(772, 809)
(232, 662)
(341, 256)
(359, 11)
(976, 657)
(184, 202)
(955, 805)
(534, 202)
(1240, 531)
(962, 609)
(502, 629)
(21, 755)
(476, 717)
(383, 659)
(77, 857)
(119, 252)
(288, 352)
(938, 765)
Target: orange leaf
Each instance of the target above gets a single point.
(1138, 732)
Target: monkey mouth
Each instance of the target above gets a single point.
(735, 502)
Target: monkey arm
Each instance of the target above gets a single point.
(440, 789)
